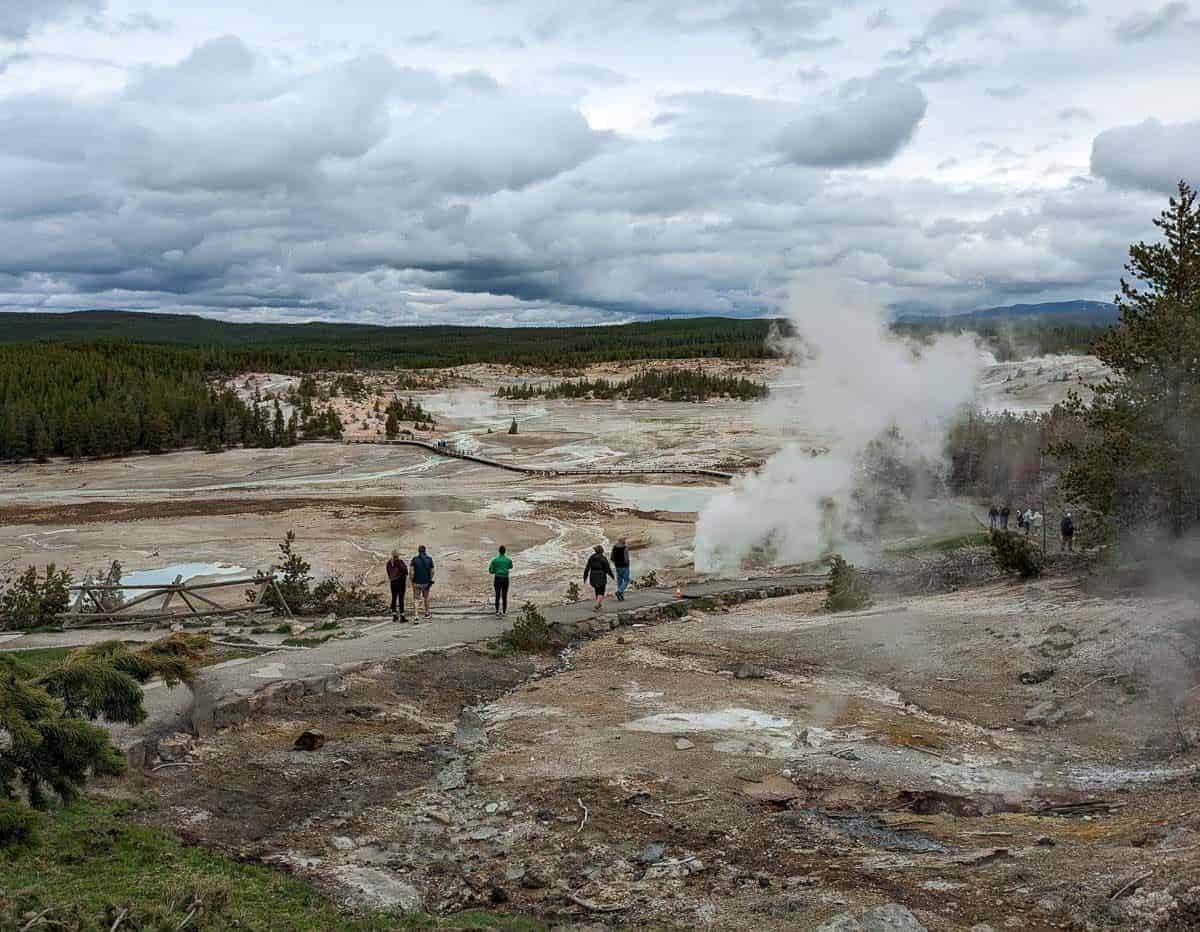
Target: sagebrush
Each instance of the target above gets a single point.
(1015, 553)
(846, 589)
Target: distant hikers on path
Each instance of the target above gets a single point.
(417, 574)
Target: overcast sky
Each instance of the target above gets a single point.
(526, 161)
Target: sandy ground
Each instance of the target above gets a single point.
(1007, 754)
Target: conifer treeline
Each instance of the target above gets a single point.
(660, 384)
(111, 400)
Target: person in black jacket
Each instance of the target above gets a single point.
(620, 561)
(598, 571)
(1067, 529)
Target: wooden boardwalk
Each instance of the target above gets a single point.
(549, 471)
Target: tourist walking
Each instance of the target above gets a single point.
(620, 562)
(1067, 529)
(500, 567)
(1005, 512)
(397, 574)
(1027, 520)
(598, 571)
(994, 517)
(421, 570)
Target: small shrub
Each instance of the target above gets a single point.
(31, 600)
(573, 593)
(646, 581)
(1015, 553)
(530, 633)
(18, 827)
(846, 590)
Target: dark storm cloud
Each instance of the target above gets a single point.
(868, 129)
(1151, 156)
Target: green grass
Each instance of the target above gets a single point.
(36, 661)
(94, 860)
(946, 544)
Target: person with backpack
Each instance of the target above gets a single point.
(397, 574)
(620, 561)
(994, 517)
(500, 567)
(421, 568)
(1005, 512)
(598, 571)
(1067, 529)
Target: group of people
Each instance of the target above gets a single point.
(998, 516)
(418, 573)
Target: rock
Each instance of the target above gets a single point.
(469, 729)
(491, 808)
(890, 918)
(1045, 841)
(981, 927)
(651, 853)
(749, 671)
(341, 842)
(1033, 677)
(175, 747)
(683, 744)
(310, 740)
(534, 879)
(439, 816)
(772, 788)
(381, 889)
(483, 834)
(1044, 713)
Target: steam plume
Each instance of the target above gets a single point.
(859, 381)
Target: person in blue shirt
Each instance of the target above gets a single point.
(420, 574)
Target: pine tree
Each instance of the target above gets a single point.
(391, 427)
(1140, 462)
(51, 745)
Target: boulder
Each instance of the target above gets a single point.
(381, 889)
(309, 740)
(890, 918)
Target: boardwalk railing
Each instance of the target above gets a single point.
(90, 605)
(548, 471)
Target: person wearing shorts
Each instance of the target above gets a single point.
(421, 570)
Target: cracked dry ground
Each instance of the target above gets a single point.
(1010, 755)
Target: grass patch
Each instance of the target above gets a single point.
(947, 544)
(95, 861)
(316, 641)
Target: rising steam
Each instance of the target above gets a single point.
(859, 381)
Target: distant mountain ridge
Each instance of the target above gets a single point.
(1100, 313)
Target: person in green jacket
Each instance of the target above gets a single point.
(500, 567)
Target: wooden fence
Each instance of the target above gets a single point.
(90, 606)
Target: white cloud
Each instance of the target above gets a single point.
(1150, 24)
(18, 18)
(529, 160)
